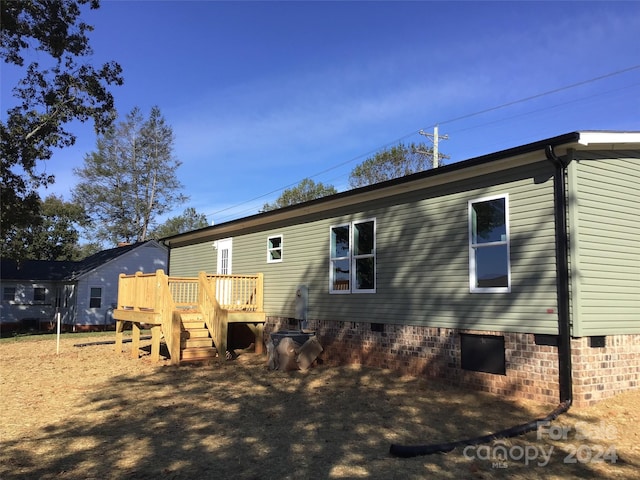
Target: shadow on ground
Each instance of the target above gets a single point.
(239, 420)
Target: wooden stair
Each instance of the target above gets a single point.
(195, 342)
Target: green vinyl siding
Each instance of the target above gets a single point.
(422, 257)
(606, 244)
(422, 262)
(190, 260)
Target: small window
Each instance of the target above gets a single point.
(352, 257)
(274, 249)
(95, 300)
(39, 294)
(489, 267)
(9, 294)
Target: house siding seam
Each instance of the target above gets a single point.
(532, 371)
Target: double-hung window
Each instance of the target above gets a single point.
(274, 249)
(95, 297)
(489, 265)
(352, 257)
(9, 294)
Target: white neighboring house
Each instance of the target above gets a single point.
(83, 292)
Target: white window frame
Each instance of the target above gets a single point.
(352, 258)
(6, 293)
(91, 297)
(473, 288)
(271, 249)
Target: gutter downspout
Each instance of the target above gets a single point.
(562, 276)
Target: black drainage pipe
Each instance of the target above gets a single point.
(407, 451)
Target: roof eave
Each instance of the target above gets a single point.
(496, 161)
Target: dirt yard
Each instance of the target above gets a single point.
(89, 413)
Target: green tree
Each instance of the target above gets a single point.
(56, 90)
(188, 221)
(130, 179)
(53, 237)
(398, 161)
(306, 190)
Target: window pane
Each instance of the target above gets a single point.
(39, 294)
(274, 248)
(363, 238)
(492, 269)
(275, 254)
(96, 297)
(489, 221)
(340, 242)
(365, 274)
(224, 262)
(340, 274)
(274, 242)
(9, 294)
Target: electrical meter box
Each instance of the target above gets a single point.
(302, 305)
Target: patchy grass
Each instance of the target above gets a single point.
(92, 413)
(32, 336)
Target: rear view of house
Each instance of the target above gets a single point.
(516, 272)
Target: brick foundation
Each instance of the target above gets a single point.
(602, 372)
(532, 370)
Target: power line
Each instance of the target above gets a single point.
(451, 120)
(539, 95)
(551, 107)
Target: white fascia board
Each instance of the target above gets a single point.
(613, 140)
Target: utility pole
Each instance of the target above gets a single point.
(434, 137)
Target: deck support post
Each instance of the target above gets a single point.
(258, 331)
(119, 330)
(175, 338)
(156, 333)
(135, 339)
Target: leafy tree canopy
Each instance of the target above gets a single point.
(130, 179)
(306, 190)
(54, 91)
(53, 237)
(188, 221)
(398, 161)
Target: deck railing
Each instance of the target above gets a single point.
(157, 299)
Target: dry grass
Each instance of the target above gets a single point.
(90, 413)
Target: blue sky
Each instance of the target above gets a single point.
(263, 94)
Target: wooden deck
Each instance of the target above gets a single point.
(191, 314)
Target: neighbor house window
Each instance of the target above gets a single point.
(489, 269)
(274, 249)
(352, 257)
(95, 299)
(9, 294)
(39, 294)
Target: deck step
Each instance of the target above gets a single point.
(199, 353)
(191, 324)
(196, 342)
(195, 333)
